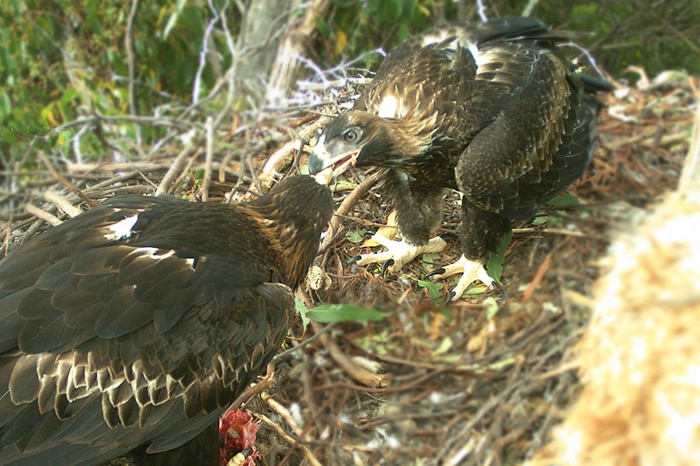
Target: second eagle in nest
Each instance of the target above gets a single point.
(492, 110)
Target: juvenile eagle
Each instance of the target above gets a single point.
(490, 109)
(136, 323)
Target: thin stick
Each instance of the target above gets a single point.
(359, 374)
(288, 438)
(62, 203)
(174, 170)
(538, 277)
(8, 234)
(347, 205)
(209, 156)
(42, 214)
(131, 63)
(61, 179)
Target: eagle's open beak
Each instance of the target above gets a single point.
(320, 160)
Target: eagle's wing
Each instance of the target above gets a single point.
(530, 126)
(116, 331)
(117, 268)
(419, 77)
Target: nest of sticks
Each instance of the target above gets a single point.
(480, 382)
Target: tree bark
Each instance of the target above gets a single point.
(294, 43)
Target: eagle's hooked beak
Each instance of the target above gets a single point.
(319, 157)
(325, 165)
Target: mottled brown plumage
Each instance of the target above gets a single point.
(490, 109)
(137, 322)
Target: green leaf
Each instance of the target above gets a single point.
(540, 220)
(68, 96)
(192, 18)
(172, 21)
(303, 311)
(491, 307)
(356, 236)
(565, 200)
(343, 184)
(429, 257)
(445, 346)
(5, 104)
(496, 259)
(323, 28)
(434, 289)
(343, 313)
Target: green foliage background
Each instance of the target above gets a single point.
(64, 58)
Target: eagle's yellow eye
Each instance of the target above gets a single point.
(351, 134)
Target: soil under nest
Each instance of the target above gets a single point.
(479, 382)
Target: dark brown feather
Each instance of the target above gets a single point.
(491, 109)
(139, 321)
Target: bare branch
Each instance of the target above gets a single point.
(131, 62)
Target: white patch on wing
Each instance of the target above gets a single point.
(480, 58)
(389, 107)
(153, 253)
(430, 39)
(122, 229)
(437, 36)
(158, 254)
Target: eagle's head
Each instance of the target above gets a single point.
(362, 139)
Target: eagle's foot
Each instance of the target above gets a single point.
(471, 271)
(398, 253)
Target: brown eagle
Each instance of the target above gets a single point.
(490, 109)
(136, 323)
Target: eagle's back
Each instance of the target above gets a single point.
(139, 321)
(510, 123)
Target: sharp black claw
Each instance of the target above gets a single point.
(354, 259)
(450, 297)
(386, 266)
(439, 271)
(448, 236)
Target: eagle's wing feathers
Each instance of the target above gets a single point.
(139, 321)
(106, 281)
(524, 114)
(406, 86)
(72, 384)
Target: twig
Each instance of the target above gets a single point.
(531, 4)
(347, 205)
(96, 118)
(289, 439)
(209, 156)
(538, 277)
(359, 374)
(481, 9)
(42, 214)
(282, 411)
(278, 158)
(174, 170)
(548, 230)
(259, 387)
(131, 63)
(305, 342)
(62, 203)
(61, 179)
(8, 234)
